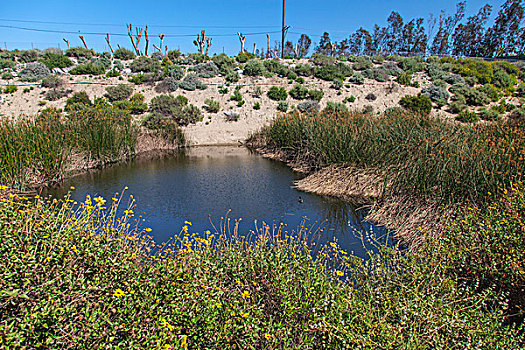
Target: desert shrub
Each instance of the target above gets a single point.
(29, 56)
(237, 96)
(361, 64)
(503, 80)
(471, 81)
(55, 50)
(113, 73)
(310, 106)
(316, 95)
(277, 93)
(166, 105)
(337, 84)
(51, 81)
(78, 99)
(276, 67)
(157, 55)
(244, 57)
(490, 91)
(282, 106)
(4, 63)
(466, 116)
(175, 72)
(350, 99)
(205, 70)
(304, 70)
(391, 68)
(241, 103)
(102, 61)
(118, 92)
(298, 92)
(371, 97)
(168, 84)
(458, 104)
(435, 93)
(54, 60)
(232, 77)
(144, 64)
(7, 76)
(357, 78)
(257, 105)
(212, 106)
(223, 90)
(378, 74)
(192, 82)
(257, 92)
(137, 79)
(224, 63)
(190, 115)
(420, 104)
(473, 97)
(470, 67)
(406, 79)
(299, 80)
(80, 52)
(322, 60)
(332, 72)
(488, 114)
(506, 67)
(137, 104)
(8, 55)
(123, 54)
(174, 55)
(335, 107)
(9, 89)
(520, 91)
(88, 69)
(34, 72)
(254, 68)
(56, 94)
(411, 64)
(291, 75)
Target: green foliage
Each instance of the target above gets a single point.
(243, 57)
(378, 74)
(232, 77)
(205, 70)
(137, 104)
(118, 92)
(277, 93)
(9, 89)
(337, 84)
(316, 95)
(411, 64)
(174, 72)
(88, 69)
(4, 63)
(237, 96)
(51, 81)
(458, 104)
(470, 67)
(256, 106)
(56, 60)
(436, 93)
(503, 80)
(282, 106)
(322, 60)
(212, 106)
(7, 76)
(29, 56)
(362, 63)
(299, 80)
(420, 104)
(169, 84)
(80, 52)
(335, 108)
(299, 92)
(166, 105)
(145, 64)
(137, 79)
(224, 63)
(113, 73)
(506, 67)
(310, 106)
(466, 116)
(488, 114)
(474, 97)
(174, 55)
(254, 68)
(350, 99)
(332, 72)
(357, 78)
(191, 82)
(491, 92)
(406, 79)
(56, 94)
(304, 70)
(78, 98)
(164, 127)
(124, 54)
(223, 91)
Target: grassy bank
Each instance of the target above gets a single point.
(42, 150)
(421, 156)
(81, 277)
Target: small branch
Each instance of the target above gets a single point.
(83, 41)
(67, 42)
(109, 44)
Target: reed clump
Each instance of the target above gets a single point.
(421, 155)
(87, 275)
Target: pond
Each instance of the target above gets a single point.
(206, 183)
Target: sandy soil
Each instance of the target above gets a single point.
(214, 129)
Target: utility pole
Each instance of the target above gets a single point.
(282, 41)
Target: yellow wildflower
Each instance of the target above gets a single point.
(118, 293)
(267, 336)
(74, 248)
(184, 342)
(333, 244)
(185, 228)
(245, 294)
(187, 222)
(47, 259)
(147, 229)
(340, 273)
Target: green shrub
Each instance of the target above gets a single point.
(78, 99)
(436, 93)
(362, 64)
(55, 60)
(145, 64)
(471, 81)
(29, 56)
(169, 84)
(256, 106)
(237, 96)
(205, 70)
(458, 104)
(80, 52)
(335, 107)
(254, 68)
(137, 79)
(420, 104)
(502, 80)
(282, 106)
(232, 77)
(212, 106)
(113, 73)
(488, 114)
(357, 78)
(298, 92)
(491, 92)
(9, 89)
(56, 94)
(277, 93)
(174, 55)
(223, 91)
(118, 92)
(190, 115)
(474, 97)
(316, 95)
(520, 91)
(123, 54)
(411, 64)
(337, 84)
(304, 70)
(88, 69)
(34, 71)
(299, 80)
(192, 82)
(350, 99)
(102, 61)
(466, 116)
(480, 69)
(378, 74)
(243, 57)
(174, 72)
(166, 105)
(406, 79)
(51, 81)
(137, 104)
(332, 72)
(506, 67)
(224, 63)
(7, 76)
(322, 60)
(7, 64)
(310, 106)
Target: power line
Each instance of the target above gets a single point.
(122, 34)
(120, 25)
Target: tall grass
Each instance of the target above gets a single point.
(81, 276)
(421, 155)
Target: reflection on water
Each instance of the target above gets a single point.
(207, 183)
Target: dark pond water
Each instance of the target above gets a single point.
(212, 182)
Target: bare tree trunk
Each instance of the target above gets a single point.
(135, 43)
(109, 44)
(208, 45)
(67, 42)
(147, 41)
(83, 41)
(254, 48)
(242, 38)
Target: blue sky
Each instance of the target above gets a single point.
(182, 20)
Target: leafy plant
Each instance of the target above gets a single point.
(212, 106)
(277, 93)
(419, 104)
(123, 54)
(118, 92)
(88, 69)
